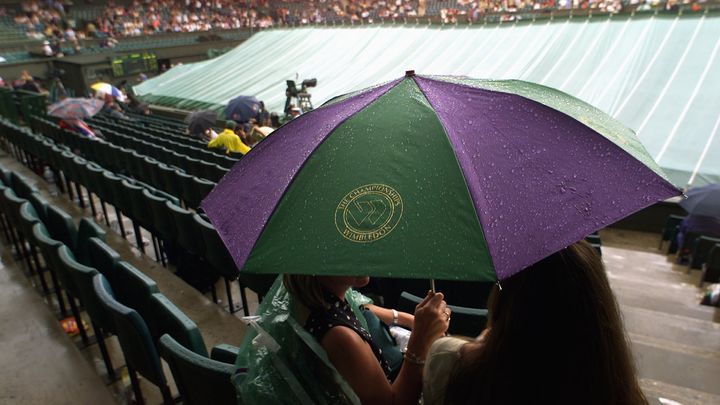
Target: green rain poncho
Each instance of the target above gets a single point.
(299, 371)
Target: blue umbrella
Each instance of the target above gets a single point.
(242, 108)
(703, 201)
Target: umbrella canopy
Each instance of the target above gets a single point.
(432, 177)
(200, 121)
(107, 88)
(242, 108)
(74, 108)
(703, 201)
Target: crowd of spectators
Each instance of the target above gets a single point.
(50, 20)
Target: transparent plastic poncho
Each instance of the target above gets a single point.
(298, 369)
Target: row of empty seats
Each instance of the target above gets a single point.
(118, 298)
(183, 236)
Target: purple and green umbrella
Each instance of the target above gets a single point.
(432, 177)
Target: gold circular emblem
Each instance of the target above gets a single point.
(368, 213)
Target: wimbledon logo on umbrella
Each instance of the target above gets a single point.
(368, 213)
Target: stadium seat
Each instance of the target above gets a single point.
(61, 227)
(670, 229)
(166, 318)
(711, 267)
(101, 320)
(465, 321)
(138, 348)
(701, 249)
(219, 259)
(199, 380)
(133, 289)
(103, 258)
(49, 249)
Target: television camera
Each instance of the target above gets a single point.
(302, 96)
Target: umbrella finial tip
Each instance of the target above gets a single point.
(409, 73)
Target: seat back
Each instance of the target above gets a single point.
(201, 188)
(701, 249)
(711, 268)
(82, 277)
(87, 228)
(133, 288)
(133, 334)
(11, 205)
(21, 186)
(465, 321)
(199, 379)
(28, 218)
(49, 247)
(671, 225)
(40, 204)
(163, 220)
(215, 251)
(169, 319)
(103, 258)
(188, 235)
(61, 226)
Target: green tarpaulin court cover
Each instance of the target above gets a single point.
(659, 75)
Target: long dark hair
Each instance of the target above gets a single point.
(555, 337)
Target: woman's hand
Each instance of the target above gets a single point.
(432, 318)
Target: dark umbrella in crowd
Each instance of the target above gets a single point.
(242, 108)
(432, 177)
(703, 201)
(200, 121)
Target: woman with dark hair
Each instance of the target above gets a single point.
(554, 336)
(350, 348)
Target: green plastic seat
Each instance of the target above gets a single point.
(219, 259)
(136, 342)
(188, 234)
(200, 380)
(133, 288)
(101, 320)
(168, 318)
(61, 226)
(163, 224)
(40, 204)
(670, 229)
(87, 229)
(465, 321)
(11, 204)
(700, 250)
(103, 258)
(22, 186)
(49, 249)
(201, 188)
(28, 218)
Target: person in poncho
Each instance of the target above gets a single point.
(228, 140)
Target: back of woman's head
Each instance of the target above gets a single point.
(555, 336)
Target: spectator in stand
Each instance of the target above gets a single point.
(229, 141)
(578, 353)
(79, 126)
(112, 109)
(27, 82)
(263, 117)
